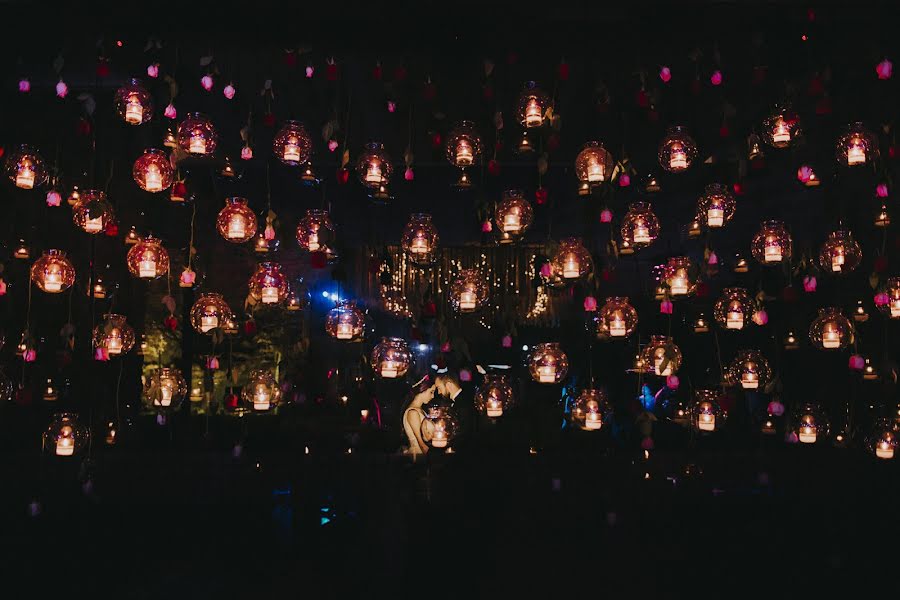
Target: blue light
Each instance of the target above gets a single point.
(334, 297)
(423, 347)
(324, 521)
(525, 348)
(324, 294)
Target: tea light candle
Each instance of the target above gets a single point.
(831, 339)
(715, 217)
(197, 145)
(94, 225)
(344, 331)
(750, 381)
(781, 135)
(533, 117)
(895, 308)
(237, 229)
(884, 450)
(53, 281)
(439, 439)
(65, 446)
(313, 243)
(464, 155)
(677, 158)
(147, 268)
(617, 327)
(114, 342)
(261, 399)
(837, 259)
(772, 251)
(594, 171)
(734, 320)
(165, 394)
(807, 435)
(208, 322)
(390, 369)
(706, 422)
(592, 420)
(679, 286)
(547, 374)
(641, 234)
(291, 151)
(153, 179)
(512, 222)
(373, 172)
(418, 246)
(134, 112)
(25, 177)
(269, 295)
(494, 408)
(657, 364)
(467, 300)
(571, 268)
(856, 154)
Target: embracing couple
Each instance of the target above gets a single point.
(445, 392)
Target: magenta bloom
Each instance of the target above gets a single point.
(857, 362)
(465, 375)
(506, 342)
(590, 304)
(228, 90)
(665, 307)
(882, 299)
(409, 175)
(605, 215)
(881, 190)
(546, 270)
(776, 408)
(809, 284)
(486, 227)
(24, 86)
(761, 317)
(332, 145)
(153, 70)
(53, 198)
(246, 153)
(62, 90)
(624, 180)
(665, 74)
(885, 69)
(170, 111)
(309, 72)
(716, 78)
(207, 82)
(672, 382)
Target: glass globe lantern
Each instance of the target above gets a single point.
(374, 166)
(677, 150)
(831, 330)
(883, 217)
(772, 244)
(716, 206)
(420, 239)
(749, 369)
(133, 103)
(593, 166)
(292, 144)
(463, 146)
(706, 410)
(888, 300)
(513, 215)
(315, 230)
(391, 358)
(299, 296)
(640, 227)
(268, 284)
(345, 322)
(197, 136)
(236, 222)
(439, 427)
(65, 436)
(591, 410)
(53, 272)
(92, 213)
(840, 253)
(810, 423)
(618, 317)
(26, 168)
(148, 259)
(114, 335)
(572, 260)
(469, 291)
(548, 363)
(209, 312)
(679, 276)
(532, 105)
(857, 146)
(495, 396)
(166, 389)
(733, 309)
(661, 356)
(780, 128)
(883, 440)
(153, 171)
(262, 392)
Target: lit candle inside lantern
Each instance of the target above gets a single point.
(494, 408)
(734, 320)
(533, 117)
(807, 434)
(390, 369)
(679, 286)
(772, 251)
(657, 366)
(197, 144)
(373, 172)
(641, 233)
(594, 171)
(856, 154)
(53, 281)
(547, 374)
(715, 217)
(571, 268)
(94, 225)
(677, 158)
(147, 267)
(884, 450)
(418, 246)
(261, 398)
(237, 228)
(831, 338)
(617, 327)
(209, 321)
(165, 393)
(114, 342)
(291, 151)
(464, 156)
(25, 177)
(512, 222)
(467, 300)
(344, 331)
(749, 381)
(895, 308)
(837, 259)
(134, 112)
(153, 179)
(593, 420)
(269, 295)
(706, 422)
(313, 243)
(439, 439)
(781, 134)
(65, 446)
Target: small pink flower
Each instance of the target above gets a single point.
(269, 232)
(101, 354)
(805, 173)
(207, 82)
(246, 153)
(2, 288)
(188, 277)
(62, 90)
(445, 347)
(53, 198)
(791, 437)
(486, 226)
(590, 304)
(170, 111)
(506, 342)
(713, 259)
(30, 355)
(665, 307)
(409, 175)
(809, 284)
(761, 317)
(212, 362)
(309, 72)
(624, 180)
(716, 78)
(882, 299)
(153, 70)
(647, 443)
(885, 69)
(672, 382)
(228, 90)
(857, 362)
(776, 408)
(332, 145)
(24, 86)
(391, 106)
(881, 190)
(665, 74)
(465, 375)
(606, 215)
(546, 270)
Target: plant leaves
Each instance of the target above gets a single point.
(345, 158)
(169, 302)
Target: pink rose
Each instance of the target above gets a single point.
(665, 74)
(716, 78)
(332, 145)
(486, 226)
(857, 362)
(606, 215)
(153, 70)
(776, 408)
(590, 304)
(809, 284)
(409, 175)
(761, 317)
(546, 270)
(53, 198)
(188, 277)
(228, 90)
(672, 382)
(665, 307)
(465, 375)
(24, 86)
(884, 69)
(246, 153)
(170, 111)
(647, 443)
(309, 72)
(207, 82)
(624, 180)
(62, 90)
(506, 341)
(881, 190)
(882, 299)
(805, 173)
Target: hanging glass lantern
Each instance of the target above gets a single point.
(374, 166)
(640, 227)
(268, 284)
(114, 335)
(749, 369)
(861, 316)
(463, 145)
(152, 171)
(593, 165)
(733, 309)
(781, 128)
(420, 240)
(618, 317)
(883, 218)
(292, 144)
(261, 392)
(92, 213)
(591, 410)
(883, 440)
(148, 259)
(651, 184)
(51, 393)
(209, 312)
(53, 272)
(439, 427)
(840, 253)
(346, 322)
(831, 330)
(740, 264)
(495, 396)
(197, 136)
(298, 297)
(65, 436)
(469, 291)
(532, 105)
(26, 168)
(791, 341)
(716, 206)
(22, 252)
(677, 151)
(701, 325)
(680, 277)
(315, 230)
(236, 222)
(133, 102)
(661, 356)
(810, 423)
(572, 260)
(857, 146)
(132, 237)
(166, 389)
(391, 358)
(888, 299)
(548, 363)
(513, 216)
(772, 244)
(706, 410)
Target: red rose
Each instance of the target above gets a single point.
(493, 167)
(881, 264)
(724, 132)
(250, 327)
(179, 189)
(540, 195)
(112, 229)
(738, 189)
(435, 140)
(290, 59)
(171, 323)
(269, 120)
(702, 290)
(488, 91)
(317, 260)
(429, 309)
(103, 69)
(429, 91)
(376, 73)
(563, 71)
(400, 73)
(83, 127)
(331, 72)
(642, 99)
(343, 176)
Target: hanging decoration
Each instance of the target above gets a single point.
(114, 336)
(593, 166)
(268, 284)
(548, 363)
(661, 356)
(591, 410)
(165, 390)
(572, 260)
(716, 206)
(781, 127)
(640, 227)
(292, 144)
(810, 424)
(420, 240)
(513, 216)
(262, 392)
(840, 253)
(750, 370)
(733, 309)
(65, 436)
(495, 396)
(857, 146)
(345, 322)
(677, 150)
(469, 291)
(92, 213)
(197, 136)
(236, 222)
(772, 245)
(26, 168)
(706, 411)
(152, 171)
(53, 272)
(209, 312)
(391, 358)
(147, 259)
(617, 317)
(374, 169)
(439, 427)
(679, 276)
(831, 330)
(463, 149)
(133, 103)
